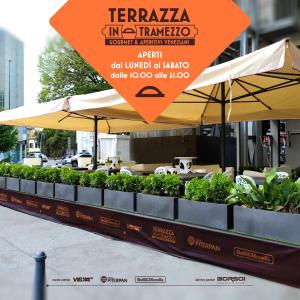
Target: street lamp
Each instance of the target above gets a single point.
(9, 63)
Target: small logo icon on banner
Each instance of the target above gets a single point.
(150, 51)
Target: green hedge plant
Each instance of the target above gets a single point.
(162, 185)
(51, 175)
(98, 179)
(28, 173)
(5, 169)
(69, 176)
(220, 187)
(124, 183)
(85, 179)
(216, 190)
(197, 190)
(15, 170)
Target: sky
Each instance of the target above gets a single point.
(29, 21)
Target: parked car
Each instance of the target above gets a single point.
(37, 154)
(66, 160)
(74, 159)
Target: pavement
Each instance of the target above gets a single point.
(72, 253)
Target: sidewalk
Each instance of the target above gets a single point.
(76, 253)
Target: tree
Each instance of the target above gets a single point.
(55, 142)
(65, 73)
(8, 138)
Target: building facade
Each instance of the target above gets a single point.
(12, 82)
(11, 71)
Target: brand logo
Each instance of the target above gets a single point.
(84, 217)
(3, 197)
(110, 222)
(32, 204)
(164, 26)
(16, 200)
(134, 227)
(105, 279)
(62, 211)
(46, 207)
(227, 279)
(254, 255)
(163, 234)
(150, 279)
(82, 279)
(195, 242)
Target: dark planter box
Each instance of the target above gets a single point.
(65, 192)
(13, 184)
(267, 224)
(119, 200)
(212, 215)
(91, 196)
(2, 182)
(45, 189)
(157, 206)
(28, 186)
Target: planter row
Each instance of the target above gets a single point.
(259, 223)
(198, 213)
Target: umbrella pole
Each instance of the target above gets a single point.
(95, 160)
(223, 127)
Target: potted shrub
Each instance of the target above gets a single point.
(28, 183)
(205, 203)
(121, 191)
(159, 196)
(4, 171)
(46, 177)
(270, 212)
(91, 187)
(66, 188)
(13, 178)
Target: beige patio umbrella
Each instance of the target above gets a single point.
(105, 112)
(263, 85)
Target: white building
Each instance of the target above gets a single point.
(108, 145)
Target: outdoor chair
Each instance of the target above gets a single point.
(160, 170)
(209, 176)
(282, 175)
(125, 171)
(171, 170)
(240, 180)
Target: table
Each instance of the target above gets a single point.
(185, 163)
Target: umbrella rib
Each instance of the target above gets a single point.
(209, 97)
(287, 74)
(187, 93)
(108, 126)
(203, 112)
(64, 118)
(279, 77)
(272, 88)
(251, 94)
(252, 84)
(190, 94)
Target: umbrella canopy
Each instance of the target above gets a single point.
(112, 113)
(263, 85)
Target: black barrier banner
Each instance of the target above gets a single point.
(265, 259)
